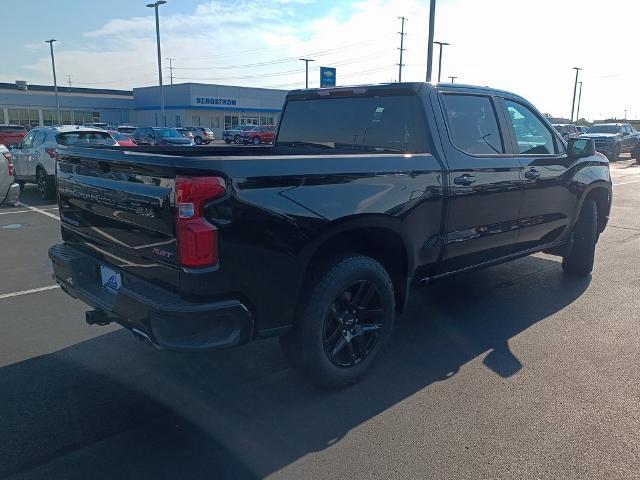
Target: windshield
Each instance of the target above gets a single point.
(390, 123)
(167, 133)
(604, 129)
(85, 138)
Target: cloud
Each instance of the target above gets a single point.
(528, 48)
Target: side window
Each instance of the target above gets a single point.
(39, 138)
(533, 137)
(472, 124)
(28, 140)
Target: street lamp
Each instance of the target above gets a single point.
(306, 69)
(432, 19)
(55, 80)
(579, 99)
(575, 88)
(442, 44)
(155, 6)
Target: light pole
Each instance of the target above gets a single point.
(306, 69)
(575, 88)
(432, 19)
(55, 80)
(442, 44)
(579, 99)
(452, 78)
(155, 6)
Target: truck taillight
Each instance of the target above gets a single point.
(197, 238)
(9, 158)
(51, 152)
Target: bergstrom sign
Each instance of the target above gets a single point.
(215, 101)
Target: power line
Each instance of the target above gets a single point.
(402, 49)
(278, 61)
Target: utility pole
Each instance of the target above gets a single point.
(171, 69)
(442, 44)
(575, 88)
(69, 78)
(55, 81)
(306, 68)
(155, 6)
(432, 19)
(625, 114)
(579, 98)
(402, 49)
(452, 78)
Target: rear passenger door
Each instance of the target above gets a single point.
(549, 202)
(484, 182)
(22, 157)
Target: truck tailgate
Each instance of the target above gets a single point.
(121, 211)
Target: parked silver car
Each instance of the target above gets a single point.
(34, 157)
(9, 189)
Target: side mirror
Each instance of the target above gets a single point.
(581, 147)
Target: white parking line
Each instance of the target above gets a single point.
(626, 183)
(28, 211)
(39, 210)
(26, 292)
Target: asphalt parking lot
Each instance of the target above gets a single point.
(511, 372)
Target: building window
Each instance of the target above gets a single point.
(230, 122)
(195, 121)
(215, 122)
(34, 119)
(13, 116)
(66, 117)
(249, 121)
(178, 123)
(95, 117)
(47, 117)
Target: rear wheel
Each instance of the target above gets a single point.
(227, 141)
(198, 140)
(579, 261)
(45, 184)
(345, 320)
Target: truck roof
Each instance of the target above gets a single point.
(404, 86)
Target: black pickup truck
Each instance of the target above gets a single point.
(367, 191)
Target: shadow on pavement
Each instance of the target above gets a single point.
(109, 408)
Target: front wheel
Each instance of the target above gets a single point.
(198, 140)
(45, 184)
(579, 261)
(344, 322)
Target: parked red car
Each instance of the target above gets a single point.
(12, 134)
(122, 139)
(258, 135)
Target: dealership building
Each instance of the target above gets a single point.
(187, 104)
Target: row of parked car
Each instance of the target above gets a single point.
(29, 156)
(612, 139)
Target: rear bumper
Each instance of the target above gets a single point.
(13, 193)
(161, 316)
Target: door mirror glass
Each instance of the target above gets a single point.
(581, 147)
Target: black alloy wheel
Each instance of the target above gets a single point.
(353, 323)
(198, 140)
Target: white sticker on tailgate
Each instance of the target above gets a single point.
(111, 280)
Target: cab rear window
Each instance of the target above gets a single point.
(85, 138)
(356, 124)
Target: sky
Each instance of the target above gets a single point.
(525, 46)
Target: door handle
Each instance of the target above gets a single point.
(532, 174)
(464, 180)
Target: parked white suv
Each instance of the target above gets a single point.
(34, 156)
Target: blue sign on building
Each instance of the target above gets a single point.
(327, 77)
(216, 101)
